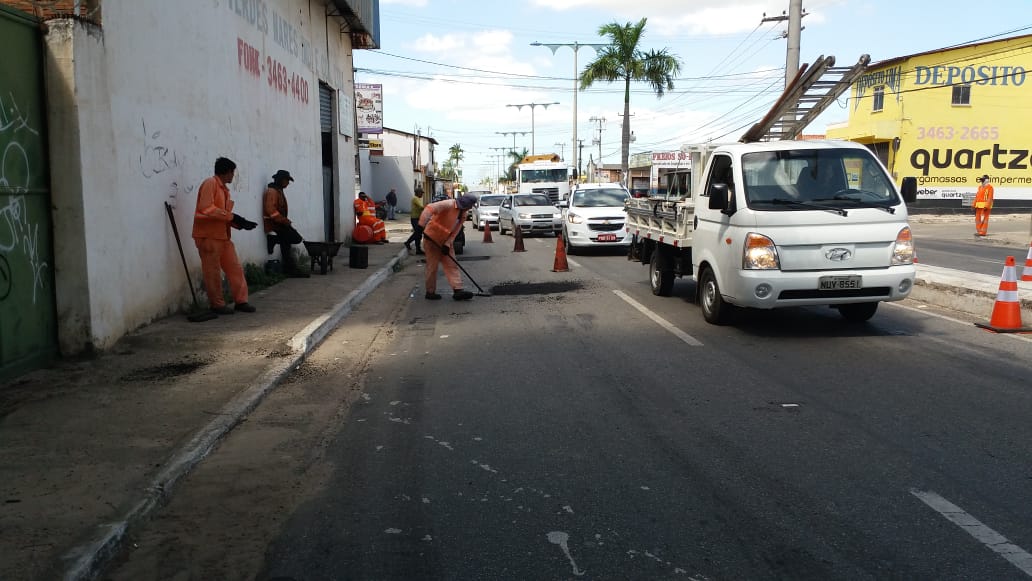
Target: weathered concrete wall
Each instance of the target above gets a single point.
(141, 109)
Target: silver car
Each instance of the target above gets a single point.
(486, 211)
(530, 213)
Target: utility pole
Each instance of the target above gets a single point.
(580, 145)
(576, 79)
(520, 107)
(500, 156)
(795, 19)
(562, 150)
(514, 134)
(601, 121)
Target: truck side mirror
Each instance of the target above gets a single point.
(719, 197)
(909, 189)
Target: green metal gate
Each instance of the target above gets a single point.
(28, 336)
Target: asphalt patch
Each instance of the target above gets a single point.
(163, 371)
(464, 258)
(535, 288)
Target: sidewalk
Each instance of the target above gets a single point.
(90, 448)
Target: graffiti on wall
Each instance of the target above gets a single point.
(156, 157)
(18, 234)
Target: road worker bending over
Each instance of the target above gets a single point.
(441, 223)
(370, 229)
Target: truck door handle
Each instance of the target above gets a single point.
(695, 223)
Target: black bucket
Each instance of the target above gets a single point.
(358, 257)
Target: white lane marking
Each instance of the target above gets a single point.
(923, 311)
(985, 535)
(659, 320)
(560, 538)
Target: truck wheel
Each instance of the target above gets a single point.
(857, 312)
(714, 309)
(660, 279)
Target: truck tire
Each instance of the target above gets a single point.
(661, 278)
(857, 312)
(714, 309)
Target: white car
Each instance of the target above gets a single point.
(531, 213)
(594, 215)
(485, 212)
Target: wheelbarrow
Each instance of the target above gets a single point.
(322, 253)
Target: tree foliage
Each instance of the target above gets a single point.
(624, 60)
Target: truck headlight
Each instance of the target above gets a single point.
(903, 249)
(574, 218)
(760, 253)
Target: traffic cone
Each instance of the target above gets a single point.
(1006, 317)
(487, 233)
(1026, 273)
(560, 255)
(517, 232)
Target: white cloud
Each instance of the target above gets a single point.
(438, 44)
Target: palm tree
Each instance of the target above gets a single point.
(455, 155)
(624, 60)
(516, 157)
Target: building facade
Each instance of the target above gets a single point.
(948, 117)
(401, 160)
(136, 109)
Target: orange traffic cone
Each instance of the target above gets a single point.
(1006, 317)
(560, 255)
(487, 233)
(1026, 273)
(517, 232)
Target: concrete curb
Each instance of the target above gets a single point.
(85, 561)
(965, 292)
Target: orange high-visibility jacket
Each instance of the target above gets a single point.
(441, 221)
(274, 208)
(214, 210)
(984, 197)
(365, 207)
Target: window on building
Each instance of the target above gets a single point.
(879, 99)
(962, 94)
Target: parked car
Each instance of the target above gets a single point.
(486, 210)
(594, 215)
(531, 213)
(479, 194)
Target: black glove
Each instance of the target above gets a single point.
(243, 223)
(445, 249)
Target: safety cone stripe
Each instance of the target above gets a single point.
(1006, 315)
(1007, 296)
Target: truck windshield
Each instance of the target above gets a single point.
(540, 176)
(832, 177)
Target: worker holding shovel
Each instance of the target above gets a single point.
(441, 222)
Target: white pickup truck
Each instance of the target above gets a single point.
(779, 224)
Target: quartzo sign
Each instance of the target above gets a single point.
(996, 158)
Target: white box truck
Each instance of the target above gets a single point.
(777, 224)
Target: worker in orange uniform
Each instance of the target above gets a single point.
(983, 205)
(278, 227)
(441, 223)
(365, 213)
(212, 220)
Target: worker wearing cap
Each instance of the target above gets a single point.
(983, 205)
(441, 223)
(365, 213)
(278, 228)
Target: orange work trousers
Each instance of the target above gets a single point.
(982, 221)
(218, 256)
(434, 257)
(379, 229)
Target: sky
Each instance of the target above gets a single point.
(451, 68)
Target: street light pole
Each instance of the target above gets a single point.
(576, 79)
(514, 134)
(520, 106)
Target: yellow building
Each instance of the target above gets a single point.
(948, 117)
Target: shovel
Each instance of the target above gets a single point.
(482, 292)
(199, 315)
